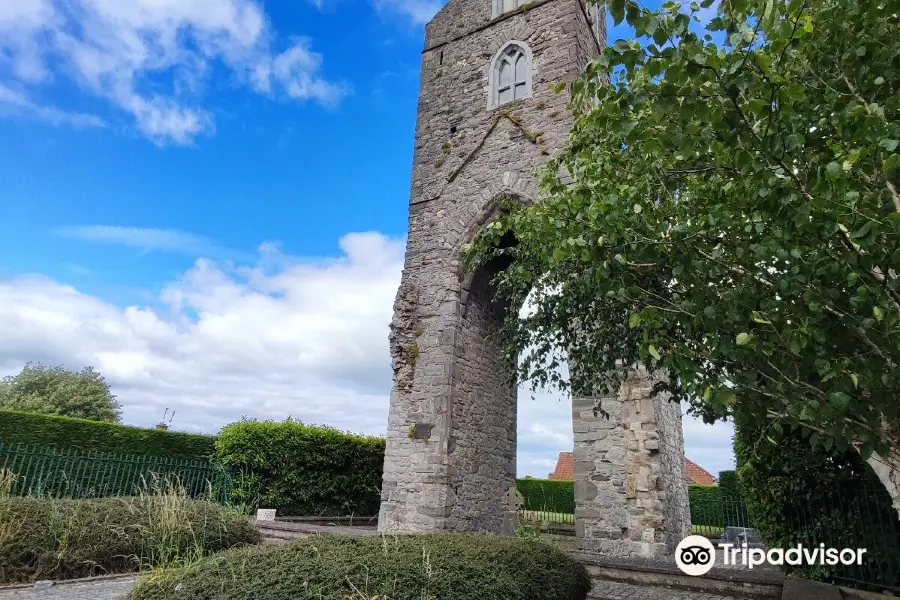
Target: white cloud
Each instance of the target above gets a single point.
(308, 340)
(151, 58)
(147, 239)
(16, 103)
(286, 336)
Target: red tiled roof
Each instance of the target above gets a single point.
(565, 469)
(697, 474)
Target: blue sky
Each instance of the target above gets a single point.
(207, 201)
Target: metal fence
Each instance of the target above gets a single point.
(74, 473)
(711, 517)
(541, 517)
(851, 519)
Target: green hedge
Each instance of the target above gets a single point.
(728, 483)
(549, 495)
(53, 431)
(64, 539)
(413, 567)
(712, 507)
(797, 493)
(301, 469)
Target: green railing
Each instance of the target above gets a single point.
(73, 473)
(856, 518)
(712, 517)
(545, 517)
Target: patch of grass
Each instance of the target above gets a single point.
(53, 538)
(411, 567)
(707, 530)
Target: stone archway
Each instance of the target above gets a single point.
(451, 436)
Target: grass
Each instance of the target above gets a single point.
(52, 538)
(707, 530)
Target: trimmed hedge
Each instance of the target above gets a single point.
(728, 483)
(798, 493)
(551, 495)
(412, 567)
(64, 539)
(53, 431)
(300, 469)
(706, 503)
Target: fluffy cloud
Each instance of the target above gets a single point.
(285, 336)
(151, 58)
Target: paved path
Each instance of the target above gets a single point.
(117, 588)
(98, 589)
(608, 590)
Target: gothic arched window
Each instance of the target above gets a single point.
(510, 75)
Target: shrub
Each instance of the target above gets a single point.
(413, 567)
(302, 469)
(62, 539)
(64, 432)
(797, 493)
(553, 495)
(728, 483)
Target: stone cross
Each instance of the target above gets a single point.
(514, 499)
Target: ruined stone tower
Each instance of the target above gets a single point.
(485, 119)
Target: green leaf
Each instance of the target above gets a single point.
(743, 339)
(833, 169)
(757, 317)
(879, 314)
(888, 144)
(839, 400)
(653, 351)
(634, 320)
(794, 91)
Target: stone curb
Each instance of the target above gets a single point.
(44, 583)
(762, 576)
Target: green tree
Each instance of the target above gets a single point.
(58, 391)
(734, 219)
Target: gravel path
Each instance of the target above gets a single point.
(97, 589)
(608, 590)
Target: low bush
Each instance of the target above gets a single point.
(412, 567)
(301, 469)
(63, 539)
(552, 495)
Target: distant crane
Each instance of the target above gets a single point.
(164, 425)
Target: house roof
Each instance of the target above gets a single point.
(697, 474)
(565, 469)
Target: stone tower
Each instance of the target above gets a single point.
(485, 119)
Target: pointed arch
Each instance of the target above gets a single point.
(510, 74)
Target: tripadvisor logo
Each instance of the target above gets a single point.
(696, 555)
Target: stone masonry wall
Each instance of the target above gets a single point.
(630, 493)
(450, 452)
